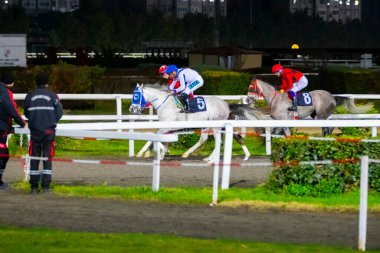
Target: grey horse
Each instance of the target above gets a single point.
(323, 104)
(167, 110)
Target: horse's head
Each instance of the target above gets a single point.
(255, 92)
(139, 103)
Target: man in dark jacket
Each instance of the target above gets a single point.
(43, 110)
(8, 111)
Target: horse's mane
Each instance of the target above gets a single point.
(156, 86)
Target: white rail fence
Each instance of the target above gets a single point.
(155, 138)
(119, 117)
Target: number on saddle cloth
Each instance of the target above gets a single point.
(304, 99)
(197, 104)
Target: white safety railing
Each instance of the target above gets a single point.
(119, 97)
(229, 125)
(155, 138)
(119, 117)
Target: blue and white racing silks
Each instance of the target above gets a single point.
(189, 80)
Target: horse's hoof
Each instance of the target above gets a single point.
(246, 158)
(185, 156)
(207, 159)
(139, 155)
(147, 155)
(210, 162)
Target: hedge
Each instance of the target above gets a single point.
(321, 180)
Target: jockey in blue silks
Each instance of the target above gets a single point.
(189, 80)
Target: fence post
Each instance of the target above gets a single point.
(363, 202)
(156, 167)
(119, 112)
(374, 131)
(131, 143)
(215, 184)
(227, 156)
(268, 144)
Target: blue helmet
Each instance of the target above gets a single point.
(171, 68)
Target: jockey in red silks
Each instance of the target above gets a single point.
(292, 82)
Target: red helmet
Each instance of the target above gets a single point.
(162, 69)
(276, 68)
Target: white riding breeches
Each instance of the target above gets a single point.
(301, 84)
(194, 85)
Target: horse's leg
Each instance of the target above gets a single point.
(146, 146)
(163, 148)
(210, 158)
(241, 141)
(287, 131)
(202, 139)
(327, 130)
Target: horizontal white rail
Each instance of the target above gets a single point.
(355, 116)
(108, 117)
(155, 117)
(221, 124)
(109, 135)
(21, 96)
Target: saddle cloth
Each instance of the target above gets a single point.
(304, 99)
(196, 104)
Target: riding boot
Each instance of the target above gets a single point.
(186, 102)
(293, 107)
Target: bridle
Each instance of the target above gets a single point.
(257, 92)
(140, 103)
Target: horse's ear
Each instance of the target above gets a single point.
(141, 86)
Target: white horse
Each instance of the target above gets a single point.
(167, 110)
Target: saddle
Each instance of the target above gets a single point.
(196, 104)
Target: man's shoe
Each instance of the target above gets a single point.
(33, 191)
(3, 186)
(47, 190)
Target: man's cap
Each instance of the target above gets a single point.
(7, 78)
(42, 79)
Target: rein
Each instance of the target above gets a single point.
(156, 99)
(259, 92)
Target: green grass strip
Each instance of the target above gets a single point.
(16, 240)
(259, 197)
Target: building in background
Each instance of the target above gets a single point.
(226, 57)
(42, 6)
(329, 10)
(180, 8)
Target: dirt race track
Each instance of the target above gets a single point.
(99, 215)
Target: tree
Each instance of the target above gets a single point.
(217, 22)
(14, 20)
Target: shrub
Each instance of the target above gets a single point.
(321, 180)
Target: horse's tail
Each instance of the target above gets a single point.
(349, 104)
(246, 112)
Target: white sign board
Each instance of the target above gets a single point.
(12, 50)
